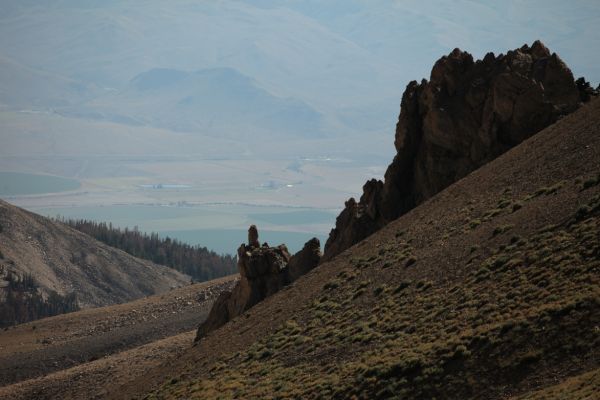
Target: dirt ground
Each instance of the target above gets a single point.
(442, 241)
(565, 153)
(65, 353)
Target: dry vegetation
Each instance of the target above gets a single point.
(582, 387)
(64, 342)
(491, 289)
(534, 300)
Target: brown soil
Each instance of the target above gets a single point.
(422, 298)
(92, 344)
(94, 379)
(543, 176)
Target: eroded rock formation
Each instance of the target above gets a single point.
(467, 114)
(264, 270)
(304, 260)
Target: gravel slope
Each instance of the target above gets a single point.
(162, 324)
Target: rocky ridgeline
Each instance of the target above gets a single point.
(467, 114)
(264, 270)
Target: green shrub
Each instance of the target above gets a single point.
(461, 351)
(359, 293)
(331, 285)
(582, 212)
(554, 188)
(501, 229)
(378, 290)
(590, 183)
(474, 223)
(401, 286)
(503, 203)
(265, 354)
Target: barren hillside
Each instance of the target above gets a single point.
(490, 289)
(86, 352)
(64, 260)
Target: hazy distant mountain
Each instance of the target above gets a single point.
(338, 66)
(286, 53)
(25, 87)
(214, 100)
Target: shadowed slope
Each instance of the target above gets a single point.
(81, 354)
(488, 289)
(467, 114)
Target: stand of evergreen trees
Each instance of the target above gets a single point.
(21, 302)
(198, 262)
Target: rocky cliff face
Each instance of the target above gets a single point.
(264, 270)
(304, 260)
(467, 114)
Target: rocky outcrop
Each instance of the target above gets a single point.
(586, 91)
(304, 260)
(467, 114)
(264, 270)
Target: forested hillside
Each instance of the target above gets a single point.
(22, 302)
(198, 262)
(64, 260)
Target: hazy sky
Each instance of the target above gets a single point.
(347, 60)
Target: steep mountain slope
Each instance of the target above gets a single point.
(487, 290)
(468, 113)
(66, 261)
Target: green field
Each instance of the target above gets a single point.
(19, 183)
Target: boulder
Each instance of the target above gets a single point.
(467, 114)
